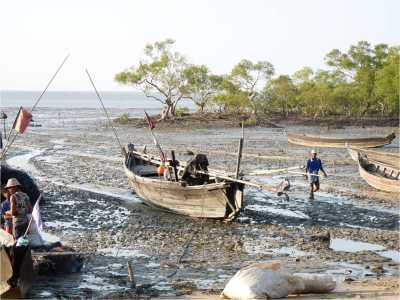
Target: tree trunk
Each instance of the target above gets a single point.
(166, 112)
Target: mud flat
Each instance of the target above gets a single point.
(350, 230)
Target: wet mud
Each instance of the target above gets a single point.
(88, 204)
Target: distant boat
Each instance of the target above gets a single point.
(379, 175)
(321, 141)
(388, 158)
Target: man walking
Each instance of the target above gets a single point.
(314, 164)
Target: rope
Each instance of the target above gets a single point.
(105, 110)
(13, 134)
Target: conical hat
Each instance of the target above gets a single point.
(12, 182)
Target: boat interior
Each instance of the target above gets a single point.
(189, 174)
(380, 169)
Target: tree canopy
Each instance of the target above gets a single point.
(364, 80)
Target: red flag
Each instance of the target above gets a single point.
(149, 121)
(22, 120)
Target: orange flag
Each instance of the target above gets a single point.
(22, 120)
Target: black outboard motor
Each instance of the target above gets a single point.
(198, 163)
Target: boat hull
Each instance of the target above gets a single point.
(392, 159)
(314, 141)
(213, 200)
(391, 184)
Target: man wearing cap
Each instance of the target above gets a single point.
(20, 207)
(314, 164)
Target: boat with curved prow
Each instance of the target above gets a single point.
(388, 158)
(321, 141)
(207, 198)
(379, 175)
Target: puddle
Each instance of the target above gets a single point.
(118, 252)
(293, 252)
(353, 246)
(392, 254)
(357, 246)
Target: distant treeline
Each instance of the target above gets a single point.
(362, 81)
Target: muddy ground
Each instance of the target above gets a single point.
(350, 230)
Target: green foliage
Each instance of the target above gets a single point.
(201, 86)
(364, 80)
(123, 118)
(160, 75)
(181, 111)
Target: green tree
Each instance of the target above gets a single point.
(360, 65)
(283, 93)
(201, 86)
(160, 75)
(387, 83)
(250, 78)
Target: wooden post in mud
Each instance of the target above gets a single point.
(239, 157)
(174, 165)
(131, 274)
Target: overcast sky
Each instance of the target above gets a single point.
(108, 36)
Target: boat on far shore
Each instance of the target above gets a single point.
(379, 175)
(330, 142)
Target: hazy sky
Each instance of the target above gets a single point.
(108, 36)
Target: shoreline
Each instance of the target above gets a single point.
(232, 120)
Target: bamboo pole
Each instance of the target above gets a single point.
(219, 174)
(239, 157)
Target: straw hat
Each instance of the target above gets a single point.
(12, 182)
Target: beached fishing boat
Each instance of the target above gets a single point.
(321, 141)
(388, 158)
(206, 198)
(379, 175)
(192, 190)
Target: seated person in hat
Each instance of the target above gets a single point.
(6, 221)
(20, 207)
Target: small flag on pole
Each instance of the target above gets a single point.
(22, 120)
(149, 121)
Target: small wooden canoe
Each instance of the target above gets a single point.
(210, 199)
(379, 175)
(320, 141)
(388, 158)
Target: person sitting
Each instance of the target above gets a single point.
(20, 207)
(6, 221)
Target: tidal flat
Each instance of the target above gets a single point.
(350, 230)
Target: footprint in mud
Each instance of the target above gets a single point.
(262, 209)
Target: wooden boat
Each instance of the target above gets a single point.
(379, 175)
(316, 141)
(208, 198)
(388, 158)
(17, 268)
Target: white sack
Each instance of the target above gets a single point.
(317, 283)
(262, 281)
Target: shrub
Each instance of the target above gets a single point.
(123, 118)
(181, 111)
